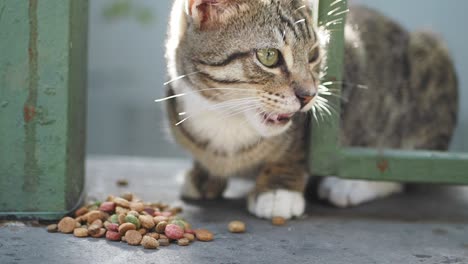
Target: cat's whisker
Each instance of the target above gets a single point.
(301, 7)
(201, 90)
(342, 12)
(299, 21)
(336, 2)
(180, 77)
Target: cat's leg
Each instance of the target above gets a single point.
(279, 192)
(347, 193)
(199, 184)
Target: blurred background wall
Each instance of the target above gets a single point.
(127, 69)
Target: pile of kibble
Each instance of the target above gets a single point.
(133, 221)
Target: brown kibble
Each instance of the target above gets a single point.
(122, 182)
(121, 210)
(160, 218)
(236, 227)
(204, 235)
(121, 218)
(97, 222)
(78, 224)
(142, 231)
(137, 206)
(128, 196)
(133, 237)
(190, 237)
(134, 213)
(67, 225)
(126, 227)
(110, 198)
(52, 228)
(121, 202)
(149, 242)
(162, 236)
(93, 230)
(278, 221)
(161, 227)
(146, 221)
(93, 216)
(100, 233)
(183, 242)
(80, 232)
(81, 211)
(164, 242)
(80, 219)
(153, 235)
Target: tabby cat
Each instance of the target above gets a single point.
(245, 74)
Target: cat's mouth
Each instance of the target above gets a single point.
(277, 119)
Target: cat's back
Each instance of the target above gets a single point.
(400, 88)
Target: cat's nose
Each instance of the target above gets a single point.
(305, 97)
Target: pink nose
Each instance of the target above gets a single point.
(305, 98)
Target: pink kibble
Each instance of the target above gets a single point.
(150, 211)
(190, 231)
(166, 214)
(113, 236)
(107, 207)
(113, 227)
(174, 231)
(157, 213)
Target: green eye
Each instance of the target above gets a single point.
(314, 55)
(268, 57)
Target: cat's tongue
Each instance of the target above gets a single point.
(278, 118)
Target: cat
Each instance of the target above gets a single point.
(245, 75)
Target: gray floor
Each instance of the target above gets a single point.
(425, 225)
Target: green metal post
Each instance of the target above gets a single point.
(324, 143)
(42, 106)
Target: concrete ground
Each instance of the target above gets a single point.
(425, 225)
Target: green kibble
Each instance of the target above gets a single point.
(133, 219)
(180, 223)
(114, 219)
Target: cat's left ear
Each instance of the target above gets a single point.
(210, 14)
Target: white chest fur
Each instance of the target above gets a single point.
(223, 130)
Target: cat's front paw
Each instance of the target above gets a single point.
(277, 203)
(347, 193)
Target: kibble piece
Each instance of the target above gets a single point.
(78, 224)
(107, 207)
(113, 227)
(93, 229)
(278, 221)
(80, 232)
(52, 228)
(149, 210)
(149, 242)
(190, 237)
(135, 206)
(126, 227)
(163, 236)
(82, 211)
(122, 202)
(133, 237)
(128, 196)
(146, 221)
(179, 222)
(163, 242)
(101, 233)
(113, 236)
(236, 227)
(121, 218)
(160, 218)
(114, 218)
(120, 210)
(97, 222)
(161, 227)
(134, 213)
(204, 235)
(132, 219)
(93, 216)
(183, 242)
(110, 198)
(142, 231)
(153, 235)
(67, 225)
(173, 231)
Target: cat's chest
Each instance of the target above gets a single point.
(220, 130)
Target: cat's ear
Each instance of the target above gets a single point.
(209, 14)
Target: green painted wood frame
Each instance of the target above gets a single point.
(328, 158)
(42, 107)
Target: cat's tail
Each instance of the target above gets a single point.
(433, 83)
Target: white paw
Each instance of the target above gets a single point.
(188, 190)
(277, 203)
(346, 193)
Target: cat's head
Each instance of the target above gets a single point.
(258, 58)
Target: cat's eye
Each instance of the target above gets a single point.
(268, 57)
(314, 55)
